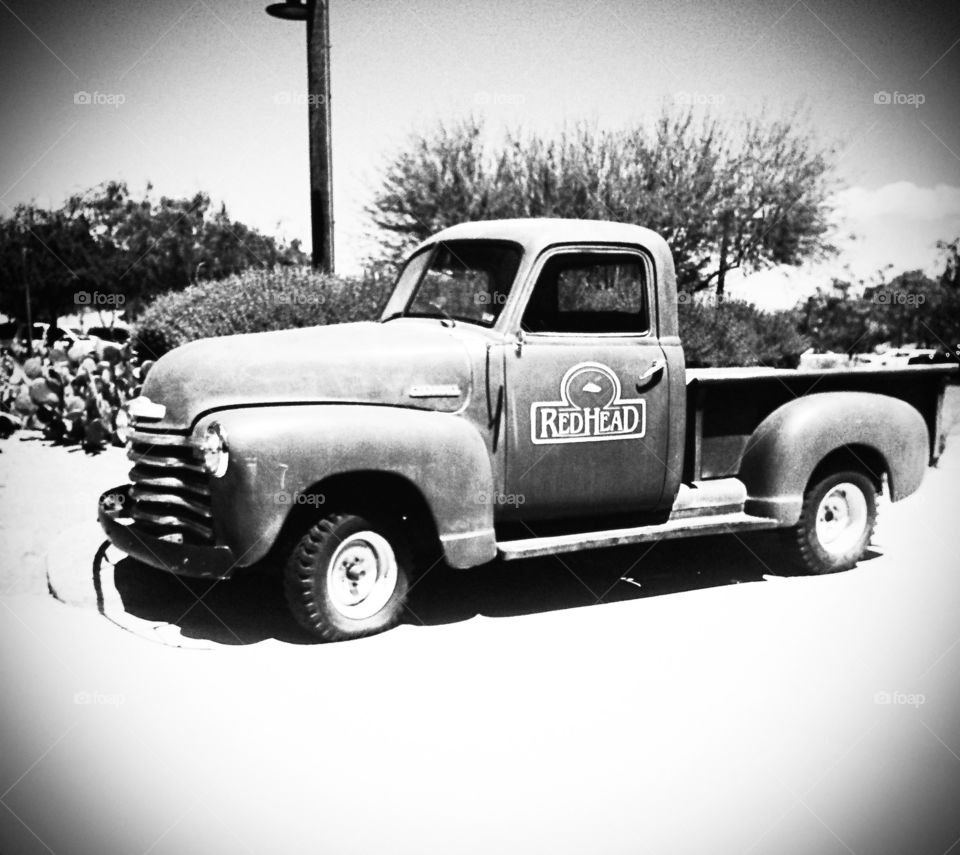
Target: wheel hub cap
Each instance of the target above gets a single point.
(362, 575)
(841, 518)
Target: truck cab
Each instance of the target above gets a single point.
(579, 363)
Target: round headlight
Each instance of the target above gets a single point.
(213, 447)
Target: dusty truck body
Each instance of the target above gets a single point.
(524, 393)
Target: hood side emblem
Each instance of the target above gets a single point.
(437, 391)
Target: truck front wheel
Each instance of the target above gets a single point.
(345, 579)
(836, 523)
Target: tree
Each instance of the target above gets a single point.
(941, 323)
(838, 319)
(725, 195)
(160, 245)
(950, 250)
(107, 240)
(772, 204)
(909, 309)
(50, 252)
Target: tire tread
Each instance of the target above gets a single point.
(801, 538)
(305, 594)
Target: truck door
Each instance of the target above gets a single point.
(586, 392)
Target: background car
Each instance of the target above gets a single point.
(116, 334)
(13, 334)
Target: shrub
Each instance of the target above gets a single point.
(736, 333)
(256, 301)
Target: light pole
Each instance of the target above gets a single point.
(316, 14)
(26, 288)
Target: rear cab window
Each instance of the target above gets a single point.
(589, 293)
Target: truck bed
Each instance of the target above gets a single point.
(725, 405)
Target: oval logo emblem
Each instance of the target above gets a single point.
(590, 409)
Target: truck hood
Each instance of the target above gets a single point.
(403, 363)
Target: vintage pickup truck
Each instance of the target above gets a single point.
(524, 393)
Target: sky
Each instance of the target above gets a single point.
(210, 95)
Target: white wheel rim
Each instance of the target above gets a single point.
(362, 575)
(841, 518)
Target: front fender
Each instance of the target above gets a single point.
(278, 453)
(790, 443)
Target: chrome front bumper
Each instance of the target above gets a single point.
(183, 559)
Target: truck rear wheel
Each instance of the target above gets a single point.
(836, 522)
(345, 579)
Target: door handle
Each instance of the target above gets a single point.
(656, 367)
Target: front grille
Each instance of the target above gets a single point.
(171, 492)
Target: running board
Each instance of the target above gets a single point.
(531, 547)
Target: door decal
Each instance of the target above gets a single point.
(590, 409)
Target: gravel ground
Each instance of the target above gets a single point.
(44, 490)
(708, 705)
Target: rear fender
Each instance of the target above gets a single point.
(788, 445)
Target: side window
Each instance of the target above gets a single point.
(589, 293)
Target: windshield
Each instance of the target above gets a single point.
(461, 280)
